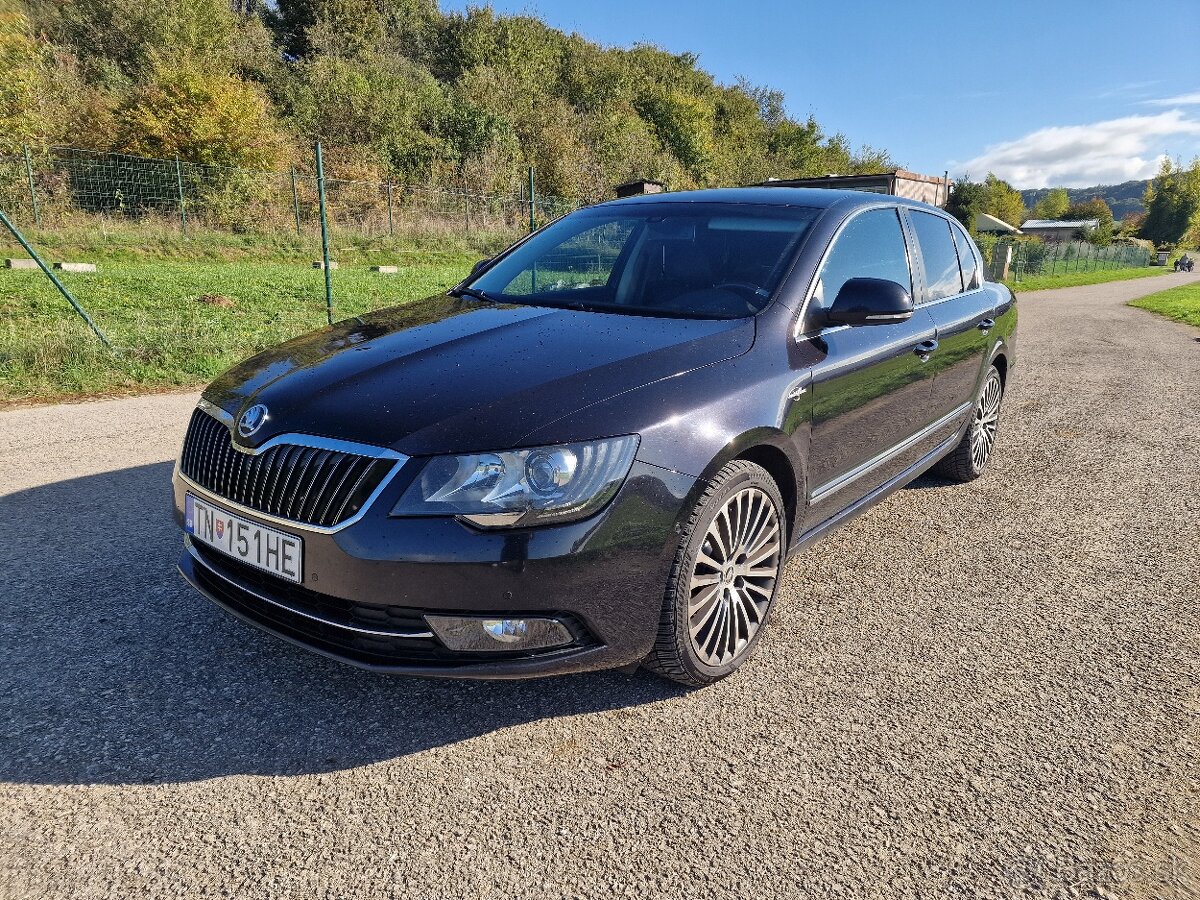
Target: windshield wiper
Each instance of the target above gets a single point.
(473, 293)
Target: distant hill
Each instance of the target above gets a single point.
(1124, 198)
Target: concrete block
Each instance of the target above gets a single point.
(75, 267)
(385, 270)
(320, 265)
(20, 264)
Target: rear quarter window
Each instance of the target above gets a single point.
(943, 277)
(968, 259)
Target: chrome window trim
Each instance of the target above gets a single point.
(847, 478)
(299, 612)
(301, 440)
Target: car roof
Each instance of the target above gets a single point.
(813, 198)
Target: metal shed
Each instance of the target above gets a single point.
(897, 182)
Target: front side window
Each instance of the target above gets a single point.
(943, 277)
(692, 260)
(870, 246)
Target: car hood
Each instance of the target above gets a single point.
(447, 375)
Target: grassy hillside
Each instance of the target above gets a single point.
(397, 91)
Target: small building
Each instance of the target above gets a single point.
(897, 182)
(991, 225)
(1053, 230)
(639, 186)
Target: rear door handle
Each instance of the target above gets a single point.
(924, 348)
(987, 325)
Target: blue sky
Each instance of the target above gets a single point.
(1060, 92)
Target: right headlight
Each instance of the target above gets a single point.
(511, 488)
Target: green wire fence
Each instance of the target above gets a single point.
(57, 186)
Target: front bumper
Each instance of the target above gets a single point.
(366, 587)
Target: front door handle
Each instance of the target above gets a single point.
(924, 348)
(987, 325)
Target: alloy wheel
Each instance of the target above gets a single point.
(734, 577)
(987, 416)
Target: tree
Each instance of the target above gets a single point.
(1172, 203)
(337, 27)
(1096, 208)
(966, 200)
(203, 117)
(134, 36)
(1002, 201)
(1052, 206)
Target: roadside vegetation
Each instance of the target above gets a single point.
(1179, 303)
(1077, 279)
(398, 92)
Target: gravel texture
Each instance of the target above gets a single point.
(986, 690)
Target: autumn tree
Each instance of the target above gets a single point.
(1052, 206)
(1002, 201)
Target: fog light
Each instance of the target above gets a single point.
(486, 634)
(510, 631)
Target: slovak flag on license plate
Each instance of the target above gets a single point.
(220, 526)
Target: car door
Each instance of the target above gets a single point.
(871, 388)
(960, 308)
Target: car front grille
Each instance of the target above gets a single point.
(313, 485)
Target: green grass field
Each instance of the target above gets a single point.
(180, 323)
(1077, 279)
(182, 308)
(1180, 303)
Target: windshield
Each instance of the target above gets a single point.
(689, 260)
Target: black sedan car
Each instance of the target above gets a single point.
(599, 449)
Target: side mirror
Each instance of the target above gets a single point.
(482, 264)
(870, 301)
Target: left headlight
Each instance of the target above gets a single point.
(513, 488)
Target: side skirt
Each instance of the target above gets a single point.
(860, 506)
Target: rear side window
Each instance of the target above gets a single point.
(968, 261)
(870, 246)
(942, 275)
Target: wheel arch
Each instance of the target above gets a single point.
(775, 452)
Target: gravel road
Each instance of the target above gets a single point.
(980, 691)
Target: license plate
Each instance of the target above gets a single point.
(264, 548)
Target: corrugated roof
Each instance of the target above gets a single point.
(1056, 223)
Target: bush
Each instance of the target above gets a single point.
(201, 116)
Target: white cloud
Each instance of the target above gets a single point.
(1082, 155)
(1181, 100)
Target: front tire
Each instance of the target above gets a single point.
(724, 578)
(967, 461)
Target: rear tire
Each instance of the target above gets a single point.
(967, 461)
(724, 578)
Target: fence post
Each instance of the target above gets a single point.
(391, 224)
(532, 201)
(182, 202)
(324, 235)
(37, 215)
(295, 200)
(4, 220)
